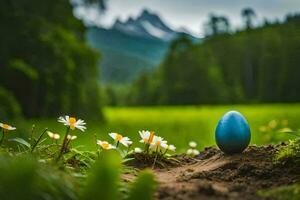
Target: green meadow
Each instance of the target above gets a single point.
(179, 125)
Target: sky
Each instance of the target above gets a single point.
(189, 14)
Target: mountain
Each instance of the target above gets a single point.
(131, 47)
(147, 25)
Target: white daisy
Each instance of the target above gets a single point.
(158, 142)
(168, 147)
(53, 136)
(147, 136)
(138, 150)
(105, 145)
(192, 152)
(119, 138)
(192, 144)
(7, 127)
(71, 137)
(72, 122)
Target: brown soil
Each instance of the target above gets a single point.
(214, 175)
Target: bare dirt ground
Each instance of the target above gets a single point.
(214, 175)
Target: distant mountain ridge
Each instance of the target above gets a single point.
(146, 25)
(128, 48)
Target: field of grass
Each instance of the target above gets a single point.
(179, 125)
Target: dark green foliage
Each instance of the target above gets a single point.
(190, 76)
(290, 153)
(104, 178)
(143, 187)
(291, 192)
(25, 178)
(104, 181)
(9, 107)
(45, 62)
(116, 94)
(250, 66)
(143, 91)
(111, 96)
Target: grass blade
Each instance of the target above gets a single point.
(144, 187)
(103, 181)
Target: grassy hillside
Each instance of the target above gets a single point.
(131, 67)
(179, 125)
(120, 50)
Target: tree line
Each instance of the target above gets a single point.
(46, 66)
(253, 65)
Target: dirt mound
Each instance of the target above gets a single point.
(214, 175)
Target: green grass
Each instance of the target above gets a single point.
(179, 125)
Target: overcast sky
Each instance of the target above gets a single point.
(191, 14)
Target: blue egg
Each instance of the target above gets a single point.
(233, 133)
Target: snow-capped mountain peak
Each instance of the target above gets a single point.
(152, 30)
(147, 24)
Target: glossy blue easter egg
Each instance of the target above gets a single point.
(233, 133)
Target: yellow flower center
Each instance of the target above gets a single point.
(5, 126)
(105, 145)
(72, 122)
(119, 137)
(157, 143)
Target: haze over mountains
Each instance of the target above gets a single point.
(131, 47)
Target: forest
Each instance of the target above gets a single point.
(47, 67)
(251, 65)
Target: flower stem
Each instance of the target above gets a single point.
(97, 146)
(67, 144)
(165, 152)
(156, 151)
(147, 148)
(128, 149)
(63, 145)
(39, 139)
(2, 138)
